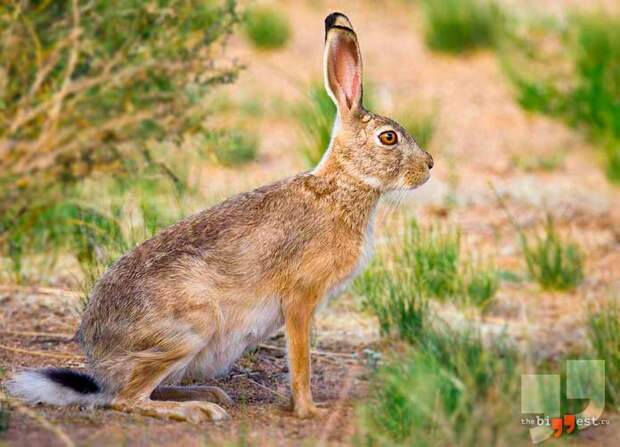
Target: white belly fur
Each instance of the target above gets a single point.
(239, 333)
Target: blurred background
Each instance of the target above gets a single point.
(118, 118)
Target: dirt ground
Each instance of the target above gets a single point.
(257, 384)
(480, 133)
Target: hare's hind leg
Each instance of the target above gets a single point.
(194, 392)
(146, 370)
(188, 411)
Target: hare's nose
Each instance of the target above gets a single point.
(429, 161)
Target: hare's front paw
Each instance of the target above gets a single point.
(308, 410)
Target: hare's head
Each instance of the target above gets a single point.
(368, 147)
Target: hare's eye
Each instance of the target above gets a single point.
(389, 137)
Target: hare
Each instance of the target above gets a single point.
(185, 304)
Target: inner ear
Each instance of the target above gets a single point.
(344, 70)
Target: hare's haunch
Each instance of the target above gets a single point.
(185, 304)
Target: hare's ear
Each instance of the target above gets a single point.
(342, 64)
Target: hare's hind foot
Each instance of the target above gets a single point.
(185, 393)
(189, 411)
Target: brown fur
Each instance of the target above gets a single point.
(185, 303)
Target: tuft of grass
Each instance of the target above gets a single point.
(604, 335)
(394, 298)
(315, 115)
(456, 26)
(481, 284)
(433, 255)
(232, 147)
(442, 390)
(554, 263)
(422, 265)
(267, 28)
(64, 225)
(582, 84)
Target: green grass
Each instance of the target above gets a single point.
(315, 116)
(536, 162)
(578, 82)
(424, 263)
(555, 263)
(420, 125)
(604, 335)
(393, 296)
(449, 388)
(65, 225)
(433, 256)
(140, 72)
(101, 218)
(267, 28)
(456, 26)
(481, 283)
(233, 147)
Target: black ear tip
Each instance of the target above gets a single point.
(337, 19)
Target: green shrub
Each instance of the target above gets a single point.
(578, 81)
(83, 86)
(442, 391)
(604, 335)
(554, 263)
(267, 28)
(455, 26)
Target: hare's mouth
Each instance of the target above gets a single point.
(417, 177)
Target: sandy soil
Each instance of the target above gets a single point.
(480, 130)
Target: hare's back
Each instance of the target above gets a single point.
(233, 245)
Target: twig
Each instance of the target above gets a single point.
(59, 432)
(71, 64)
(313, 352)
(38, 334)
(266, 388)
(41, 353)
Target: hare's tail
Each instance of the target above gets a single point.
(57, 386)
